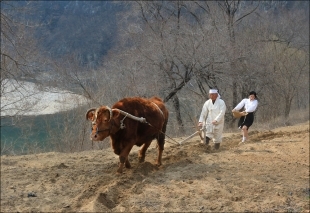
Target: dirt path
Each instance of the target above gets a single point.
(269, 173)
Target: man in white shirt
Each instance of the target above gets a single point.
(212, 118)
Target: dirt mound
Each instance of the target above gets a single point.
(268, 173)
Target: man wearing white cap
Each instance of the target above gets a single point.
(212, 118)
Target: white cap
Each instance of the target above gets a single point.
(213, 91)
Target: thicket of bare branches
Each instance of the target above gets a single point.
(231, 45)
(176, 50)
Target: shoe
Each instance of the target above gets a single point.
(207, 140)
(217, 146)
(208, 148)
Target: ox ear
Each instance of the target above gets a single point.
(115, 113)
(90, 114)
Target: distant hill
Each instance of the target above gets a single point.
(89, 28)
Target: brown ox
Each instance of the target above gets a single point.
(131, 121)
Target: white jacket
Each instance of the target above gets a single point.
(211, 112)
(249, 106)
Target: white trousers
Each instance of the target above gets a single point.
(214, 132)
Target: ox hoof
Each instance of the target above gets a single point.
(119, 171)
(158, 164)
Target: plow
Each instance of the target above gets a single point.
(198, 132)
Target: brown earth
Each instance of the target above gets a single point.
(270, 173)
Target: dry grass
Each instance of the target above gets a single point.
(295, 117)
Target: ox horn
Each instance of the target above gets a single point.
(92, 109)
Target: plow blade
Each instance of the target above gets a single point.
(189, 137)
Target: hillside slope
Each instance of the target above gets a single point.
(269, 173)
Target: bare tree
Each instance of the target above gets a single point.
(281, 60)
(168, 46)
(19, 57)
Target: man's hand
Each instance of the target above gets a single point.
(200, 124)
(214, 122)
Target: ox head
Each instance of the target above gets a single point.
(102, 123)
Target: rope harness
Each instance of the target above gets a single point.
(126, 114)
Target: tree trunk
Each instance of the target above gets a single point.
(287, 109)
(176, 105)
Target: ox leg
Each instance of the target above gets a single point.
(123, 160)
(161, 143)
(127, 164)
(121, 164)
(142, 151)
(160, 153)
